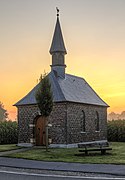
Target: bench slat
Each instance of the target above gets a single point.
(84, 150)
(93, 145)
(103, 150)
(102, 146)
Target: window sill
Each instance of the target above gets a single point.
(97, 131)
(82, 132)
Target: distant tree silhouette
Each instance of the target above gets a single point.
(116, 116)
(3, 113)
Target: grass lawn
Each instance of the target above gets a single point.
(116, 156)
(8, 147)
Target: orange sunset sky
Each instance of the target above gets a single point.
(94, 34)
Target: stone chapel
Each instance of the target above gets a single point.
(78, 115)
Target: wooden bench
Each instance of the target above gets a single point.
(101, 146)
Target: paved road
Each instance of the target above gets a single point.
(60, 166)
(34, 166)
(11, 175)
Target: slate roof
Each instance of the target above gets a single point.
(57, 42)
(71, 89)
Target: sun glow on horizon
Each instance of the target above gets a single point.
(94, 35)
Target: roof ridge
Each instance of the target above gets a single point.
(90, 88)
(26, 95)
(97, 94)
(75, 76)
(56, 82)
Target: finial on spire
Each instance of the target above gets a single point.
(57, 9)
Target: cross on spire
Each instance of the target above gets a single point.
(57, 9)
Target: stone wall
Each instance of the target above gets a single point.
(58, 119)
(26, 115)
(74, 118)
(66, 120)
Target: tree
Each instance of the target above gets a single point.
(3, 112)
(44, 100)
(8, 132)
(44, 96)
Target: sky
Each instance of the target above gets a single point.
(94, 35)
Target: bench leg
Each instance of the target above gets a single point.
(86, 152)
(103, 152)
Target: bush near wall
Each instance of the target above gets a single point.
(8, 132)
(116, 130)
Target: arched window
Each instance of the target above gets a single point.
(97, 121)
(83, 123)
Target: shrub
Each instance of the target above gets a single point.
(116, 130)
(8, 132)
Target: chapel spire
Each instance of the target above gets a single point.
(58, 50)
(57, 42)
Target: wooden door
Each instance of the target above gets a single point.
(40, 131)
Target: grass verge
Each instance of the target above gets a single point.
(8, 147)
(116, 156)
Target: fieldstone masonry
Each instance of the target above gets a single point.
(26, 116)
(74, 115)
(66, 121)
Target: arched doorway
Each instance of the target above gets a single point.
(40, 128)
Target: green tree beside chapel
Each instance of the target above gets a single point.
(44, 96)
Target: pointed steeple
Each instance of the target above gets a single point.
(57, 42)
(58, 51)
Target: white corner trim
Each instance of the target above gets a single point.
(31, 125)
(83, 132)
(32, 140)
